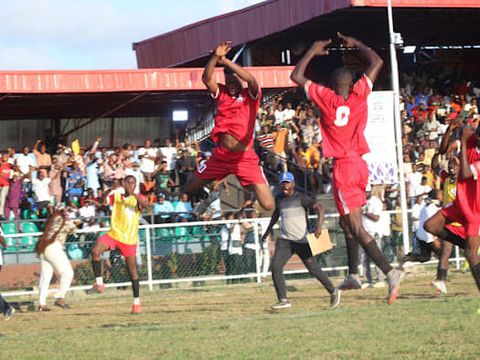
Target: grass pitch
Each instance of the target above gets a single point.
(235, 322)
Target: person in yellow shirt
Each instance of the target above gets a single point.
(123, 235)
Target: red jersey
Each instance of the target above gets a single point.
(236, 116)
(342, 121)
(468, 190)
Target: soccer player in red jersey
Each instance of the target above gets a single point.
(465, 209)
(233, 132)
(343, 120)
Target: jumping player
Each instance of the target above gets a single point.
(123, 235)
(233, 132)
(343, 120)
(465, 209)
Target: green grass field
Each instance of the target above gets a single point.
(235, 322)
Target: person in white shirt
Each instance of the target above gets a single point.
(414, 180)
(148, 157)
(41, 190)
(370, 218)
(25, 161)
(289, 112)
(279, 114)
(169, 154)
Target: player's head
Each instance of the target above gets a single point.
(129, 183)
(341, 80)
(453, 166)
(232, 82)
(287, 183)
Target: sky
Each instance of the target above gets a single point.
(92, 34)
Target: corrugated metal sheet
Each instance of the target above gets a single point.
(20, 133)
(255, 22)
(242, 26)
(420, 3)
(127, 80)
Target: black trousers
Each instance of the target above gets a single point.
(284, 249)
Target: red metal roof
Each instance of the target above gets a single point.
(98, 81)
(255, 22)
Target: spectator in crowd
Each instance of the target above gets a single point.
(371, 214)
(163, 209)
(76, 182)
(185, 166)
(163, 181)
(147, 156)
(168, 153)
(44, 160)
(5, 172)
(183, 207)
(41, 190)
(12, 202)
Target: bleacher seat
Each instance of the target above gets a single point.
(9, 229)
(28, 242)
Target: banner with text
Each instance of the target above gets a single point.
(380, 135)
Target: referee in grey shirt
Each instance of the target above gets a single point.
(291, 206)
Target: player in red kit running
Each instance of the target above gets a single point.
(343, 119)
(465, 209)
(233, 132)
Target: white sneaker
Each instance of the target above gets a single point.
(282, 304)
(440, 287)
(379, 284)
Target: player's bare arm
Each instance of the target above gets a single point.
(242, 74)
(465, 171)
(2, 241)
(142, 202)
(273, 221)
(216, 59)
(320, 216)
(319, 48)
(374, 60)
(447, 137)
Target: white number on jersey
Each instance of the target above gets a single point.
(342, 114)
(202, 166)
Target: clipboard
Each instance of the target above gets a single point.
(321, 244)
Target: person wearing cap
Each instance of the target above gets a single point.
(292, 207)
(235, 119)
(50, 249)
(162, 209)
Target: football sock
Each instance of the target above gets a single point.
(442, 274)
(352, 255)
(136, 288)
(97, 268)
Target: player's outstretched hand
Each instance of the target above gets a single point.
(222, 50)
(346, 41)
(319, 47)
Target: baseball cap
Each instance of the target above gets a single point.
(286, 177)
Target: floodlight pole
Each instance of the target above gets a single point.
(398, 128)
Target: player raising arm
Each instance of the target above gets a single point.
(343, 108)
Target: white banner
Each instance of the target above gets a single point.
(380, 135)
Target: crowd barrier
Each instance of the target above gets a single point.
(188, 252)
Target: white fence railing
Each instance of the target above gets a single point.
(193, 252)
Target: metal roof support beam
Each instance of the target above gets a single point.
(107, 113)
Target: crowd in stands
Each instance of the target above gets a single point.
(288, 138)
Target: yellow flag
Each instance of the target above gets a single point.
(76, 147)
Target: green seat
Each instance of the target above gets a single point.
(163, 234)
(10, 229)
(28, 242)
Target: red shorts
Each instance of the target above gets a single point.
(244, 165)
(454, 214)
(350, 179)
(125, 249)
(457, 230)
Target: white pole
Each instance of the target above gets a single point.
(398, 128)
(149, 258)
